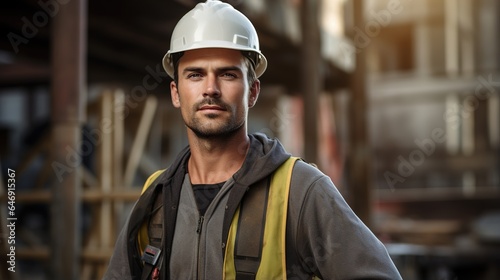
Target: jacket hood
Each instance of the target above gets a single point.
(264, 156)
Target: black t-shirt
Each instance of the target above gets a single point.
(204, 194)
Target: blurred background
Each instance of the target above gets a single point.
(396, 100)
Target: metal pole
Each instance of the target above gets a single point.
(68, 114)
(311, 76)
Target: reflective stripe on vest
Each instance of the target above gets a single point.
(273, 259)
(143, 239)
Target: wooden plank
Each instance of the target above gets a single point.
(97, 255)
(140, 139)
(451, 32)
(125, 195)
(118, 150)
(91, 196)
(44, 253)
(34, 253)
(466, 29)
(106, 169)
(26, 197)
(118, 136)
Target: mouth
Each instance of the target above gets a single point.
(211, 108)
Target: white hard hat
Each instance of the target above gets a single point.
(214, 24)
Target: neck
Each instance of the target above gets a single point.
(215, 160)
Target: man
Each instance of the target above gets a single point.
(233, 205)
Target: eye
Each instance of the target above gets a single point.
(229, 75)
(194, 76)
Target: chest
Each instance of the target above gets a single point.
(197, 241)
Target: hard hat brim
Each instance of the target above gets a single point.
(260, 65)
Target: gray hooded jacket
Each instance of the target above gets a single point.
(324, 237)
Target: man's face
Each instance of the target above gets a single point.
(213, 92)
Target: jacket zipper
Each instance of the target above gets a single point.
(198, 231)
(199, 226)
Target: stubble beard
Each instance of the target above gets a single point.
(215, 126)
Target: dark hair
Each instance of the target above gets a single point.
(175, 61)
(250, 58)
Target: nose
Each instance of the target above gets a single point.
(212, 87)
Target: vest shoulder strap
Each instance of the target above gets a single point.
(250, 233)
(143, 239)
(151, 233)
(256, 242)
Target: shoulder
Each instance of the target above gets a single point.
(306, 168)
(313, 192)
(306, 175)
(311, 188)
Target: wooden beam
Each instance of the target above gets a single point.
(120, 195)
(106, 169)
(118, 155)
(68, 114)
(34, 253)
(44, 253)
(26, 197)
(358, 177)
(91, 196)
(97, 255)
(451, 33)
(140, 139)
(467, 37)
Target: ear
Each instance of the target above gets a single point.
(254, 93)
(174, 94)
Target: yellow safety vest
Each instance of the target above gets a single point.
(273, 258)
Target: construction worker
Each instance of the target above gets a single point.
(234, 205)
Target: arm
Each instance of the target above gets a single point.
(118, 268)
